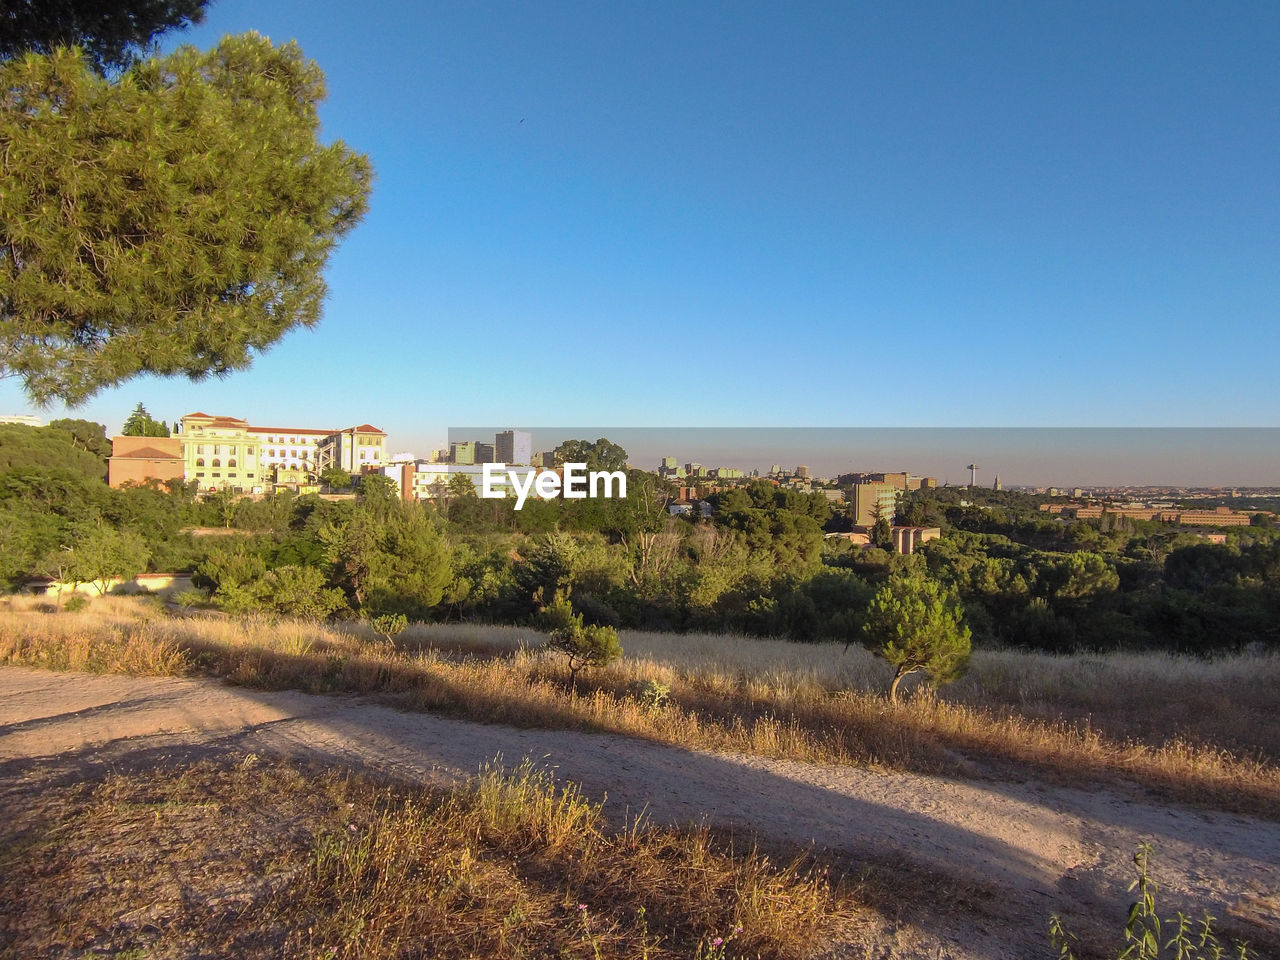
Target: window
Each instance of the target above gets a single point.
(199, 473)
(231, 462)
(216, 463)
(251, 451)
(199, 461)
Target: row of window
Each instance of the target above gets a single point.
(219, 449)
(200, 474)
(283, 439)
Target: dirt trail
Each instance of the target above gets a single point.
(1018, 851)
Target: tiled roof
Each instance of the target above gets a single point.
(367, 428)
(146, 453)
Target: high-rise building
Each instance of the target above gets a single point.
(873, 501)
(484, 453)
(802, 471)
(462, 451)
(513, 447)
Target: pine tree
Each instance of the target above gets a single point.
(172, 220)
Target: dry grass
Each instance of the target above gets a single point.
(257, 859)
(1189, 730)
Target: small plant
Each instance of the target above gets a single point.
(651, 693)
(716, 948)
(584, 646)
(75, 603)
(1144, 930)
(389, 625)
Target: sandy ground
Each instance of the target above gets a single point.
(1002, 856)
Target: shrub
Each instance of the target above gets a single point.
(191, 597)
(75, 603)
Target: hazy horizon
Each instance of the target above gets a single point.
(1022, 456)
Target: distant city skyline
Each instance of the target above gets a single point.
(1063, 457)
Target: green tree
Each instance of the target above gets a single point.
(141, 424)
(85, 435)
(389, 625)
(388, 556)
(172, 220)
(335, 478)
(601, 455)
(918, 625)
(110, 34)
(583, 646)
(882, 534)
(100, 553)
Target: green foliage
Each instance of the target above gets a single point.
(882, 534)
(918, 625)
(651, 693)
(389, 625)
(75, 603)
(299, 592)
(141, 424)
(388, 555)
(50, 448)
(85, 435)
(1145, 932)
(98, 553)
(335, 478)
(601, 455)
(172, 220)
(582, 645)
(110, 34)
(191, 597)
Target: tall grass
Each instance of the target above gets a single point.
(1076, 719)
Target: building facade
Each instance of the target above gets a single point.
(139, 459)
(227, 453)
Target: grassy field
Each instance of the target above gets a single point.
(253, 858)
(1192, 730)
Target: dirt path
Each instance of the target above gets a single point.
(1002, 856)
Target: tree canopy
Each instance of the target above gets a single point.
(111, 34)
(171, 220)
(604, 454)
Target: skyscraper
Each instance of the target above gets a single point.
(513, 447)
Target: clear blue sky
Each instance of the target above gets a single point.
(764, 214)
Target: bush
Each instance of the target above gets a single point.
(191, 597)
(75, 603)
